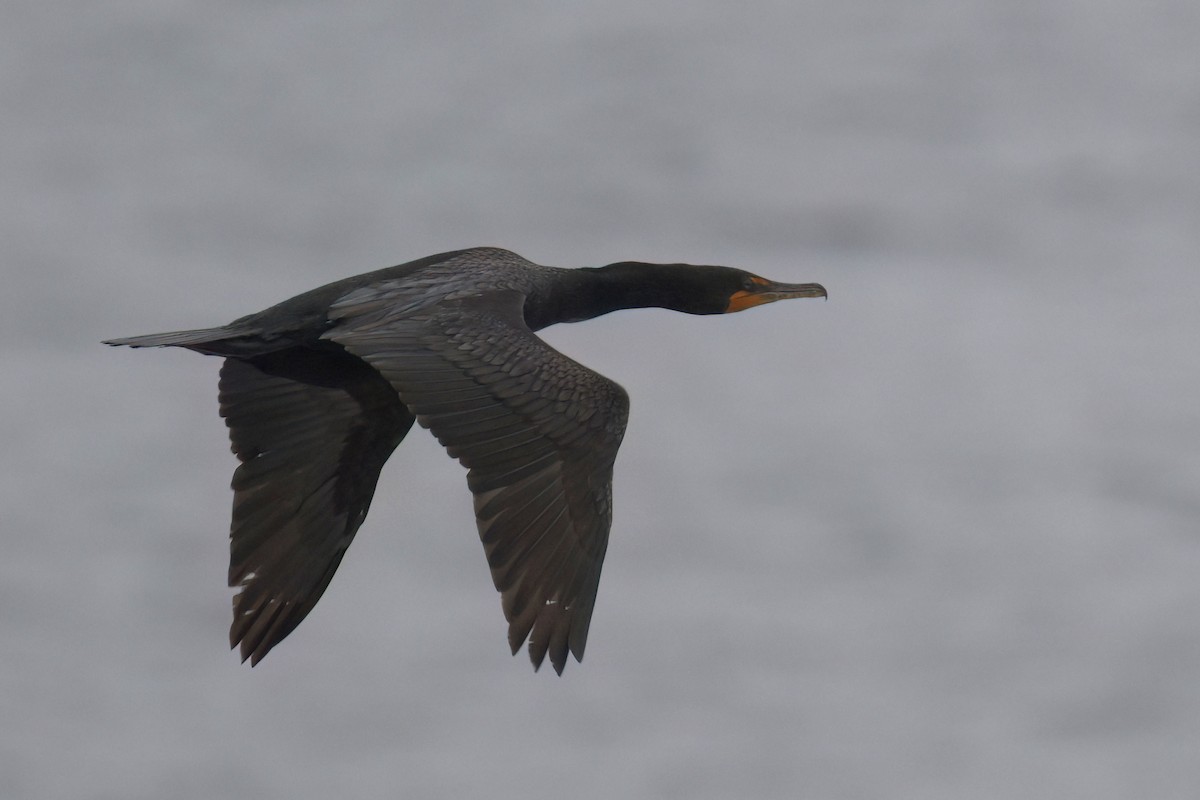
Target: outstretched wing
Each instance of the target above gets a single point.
(538, 432)
(312, 430)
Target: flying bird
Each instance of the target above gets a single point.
(318, 391)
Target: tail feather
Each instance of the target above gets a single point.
(194, 339)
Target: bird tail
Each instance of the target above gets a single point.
(203, 340)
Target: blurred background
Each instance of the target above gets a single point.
(934, 538)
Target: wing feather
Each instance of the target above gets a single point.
(538, 433)
(312, 431)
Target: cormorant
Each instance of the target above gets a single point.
(318, 391)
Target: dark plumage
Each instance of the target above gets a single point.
(319, 390)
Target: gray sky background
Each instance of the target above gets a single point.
(935, 538)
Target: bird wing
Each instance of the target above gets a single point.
(312, 431)
(538, 433)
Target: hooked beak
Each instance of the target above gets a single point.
(769, 291)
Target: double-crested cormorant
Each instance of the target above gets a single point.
(318, 391)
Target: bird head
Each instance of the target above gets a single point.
(752, 290)
(703, 289)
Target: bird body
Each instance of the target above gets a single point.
(318, 391)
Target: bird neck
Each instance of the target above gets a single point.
(580, 294)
